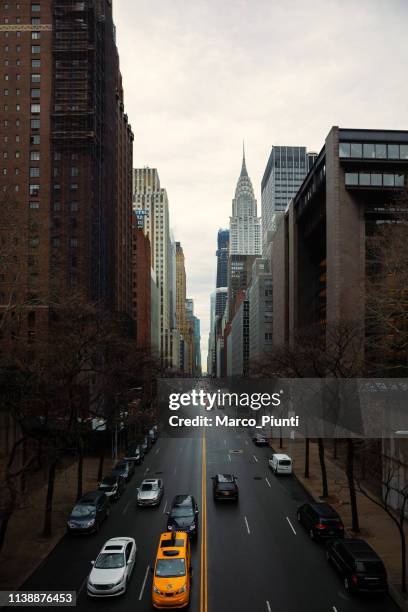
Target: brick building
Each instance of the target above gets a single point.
(142, 306)
(66, 152)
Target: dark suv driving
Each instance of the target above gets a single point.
(88, 513)
(320, 520)
(225, 487)
(359, 565)
(183, 515)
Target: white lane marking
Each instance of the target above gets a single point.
(268, 606)
(267, 482)
(291, 526)
(165, 506)
(229, 457)
(126, 508)
(246, 442)
(157, 451)
(144, 583)
(175, 470)
(334, 609)
(81, 588)
(247, 526)
(225, 443)
(255, 458)
(146, 470)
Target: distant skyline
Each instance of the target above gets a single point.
(200, 77)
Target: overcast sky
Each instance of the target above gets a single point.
(202, 75)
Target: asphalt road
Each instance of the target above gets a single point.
(255, 556)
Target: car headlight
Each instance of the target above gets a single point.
(90, 522)
(182, 590)
(156, 590)
(170, 527)
(192, 527)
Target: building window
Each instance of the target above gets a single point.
(34, 242)
(35, 49)
(35, 109)
(35, 124)
(35, 63)
(351, 178)
(35, 35)
(73, 242)
(73, 206)
(35, 139)
(55, 242)
(35, 93)
(34, 172)
(34, 190)
(35, 8)
(35, 155)
(34, 205)
(35, 78)
(57, 206)
(74, 171)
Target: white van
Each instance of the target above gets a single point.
(280, 464)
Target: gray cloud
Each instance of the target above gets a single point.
(200, 76)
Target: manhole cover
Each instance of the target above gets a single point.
(158, 472)
(235, 452)
(258, 478)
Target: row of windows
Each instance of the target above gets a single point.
(35, 8)
(360, 150)
(35, 93)
(374, 179)
(35, 63)
(34, 35)
(35, 78)
(35, 49)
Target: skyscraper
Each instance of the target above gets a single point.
(222, 271)
(151, 198)
(245, 229)
(284, 173)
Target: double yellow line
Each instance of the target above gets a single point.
(203, 577)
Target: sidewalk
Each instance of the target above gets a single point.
(23, 553)
(376, 527)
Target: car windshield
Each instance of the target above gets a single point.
(170, 568)
(284, 462)
(81, 510)
(182, 512)
(121, 466)
(110, 561)
(226, 486)
(331, 522)
(372, 568)
(108, 482)
(149, 487)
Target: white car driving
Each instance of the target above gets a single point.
(113, 568)
(150, 492)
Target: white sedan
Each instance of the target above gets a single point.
(113, 568)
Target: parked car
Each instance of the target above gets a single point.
(153, 434)
(183, 515)
(280, 464)
(126, 469)
(88, 513)
(359, 565)
(260, 439)
(150, 492)
(225, 487)
(113, 486)
(135, 453)
(113, 568)
(145, 444)
(321, 521)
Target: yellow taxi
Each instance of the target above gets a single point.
(172, 571)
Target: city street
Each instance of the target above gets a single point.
(255, 554)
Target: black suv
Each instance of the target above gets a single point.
(88, 513)
(113, 486)
(183, 515)
(359, 565)
(320, 520)
(225, 487)
(126, 469)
